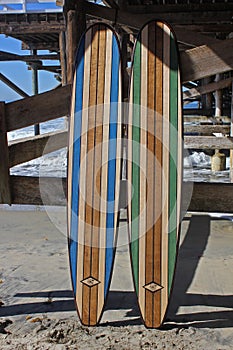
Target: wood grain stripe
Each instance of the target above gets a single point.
(104, 177)
(97, 173)
(150, 175)
(158, 175)
(89, 173)
(165, 185)
(82, 179)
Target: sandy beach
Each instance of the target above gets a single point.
(36, 304)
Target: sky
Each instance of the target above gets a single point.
(18, 71)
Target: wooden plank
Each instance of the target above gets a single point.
(24, 150)
(201, 90)
(208, 142)
(211, 197)
(207, 129)
(206, 197)
(177, 8)
(5, 193)
(205, 60)
(31, 28)
(204, 111)
(27, 190)
(192, 38)
(206, 119)
(135, 17)
(231, 153)
(7, 56)
(37, 109)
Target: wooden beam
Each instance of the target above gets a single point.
(204, 9)
(208, 142)
(5, 192)
(206, 119)
(202, 111)
(193, 38)
(24, 150)
(27, 190)
(201, 90)
(31, 28)
(37, 109)
(211, 197)
(7, 56)
(137, 18)
(207, 129)
(62, 46)
(205, 60)
(206, 197)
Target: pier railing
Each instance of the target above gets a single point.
(55, 104)
(30, 6)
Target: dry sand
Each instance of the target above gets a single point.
(37, 309)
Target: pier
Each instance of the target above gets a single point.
(204, 31)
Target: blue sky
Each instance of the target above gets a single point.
(18, 71)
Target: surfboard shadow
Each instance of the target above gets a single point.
(190, 253)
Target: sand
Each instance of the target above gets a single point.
(36, 304)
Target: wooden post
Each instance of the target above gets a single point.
(35, 86)
(218, 161)
(62, 46)
(76, 25)
(231, 152)
(207, 98)
(218, 98)
(5, 194)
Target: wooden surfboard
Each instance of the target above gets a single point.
(94, 169)
(154, 168)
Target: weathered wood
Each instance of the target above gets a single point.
(5, 191)
(62, 46)
(24, 150)
(206, 119)
(208, 142)
(17, 28)
(203, 111)
(27, 190)
(136, 16)
(207, 98)
(37, 109)
(7, 56)
(207, 129)
(197, 8)
(192, 38)
(211, 197)
(205, 60)
(231, 153)
(206, 197)
(205, 89)
(76, 25)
